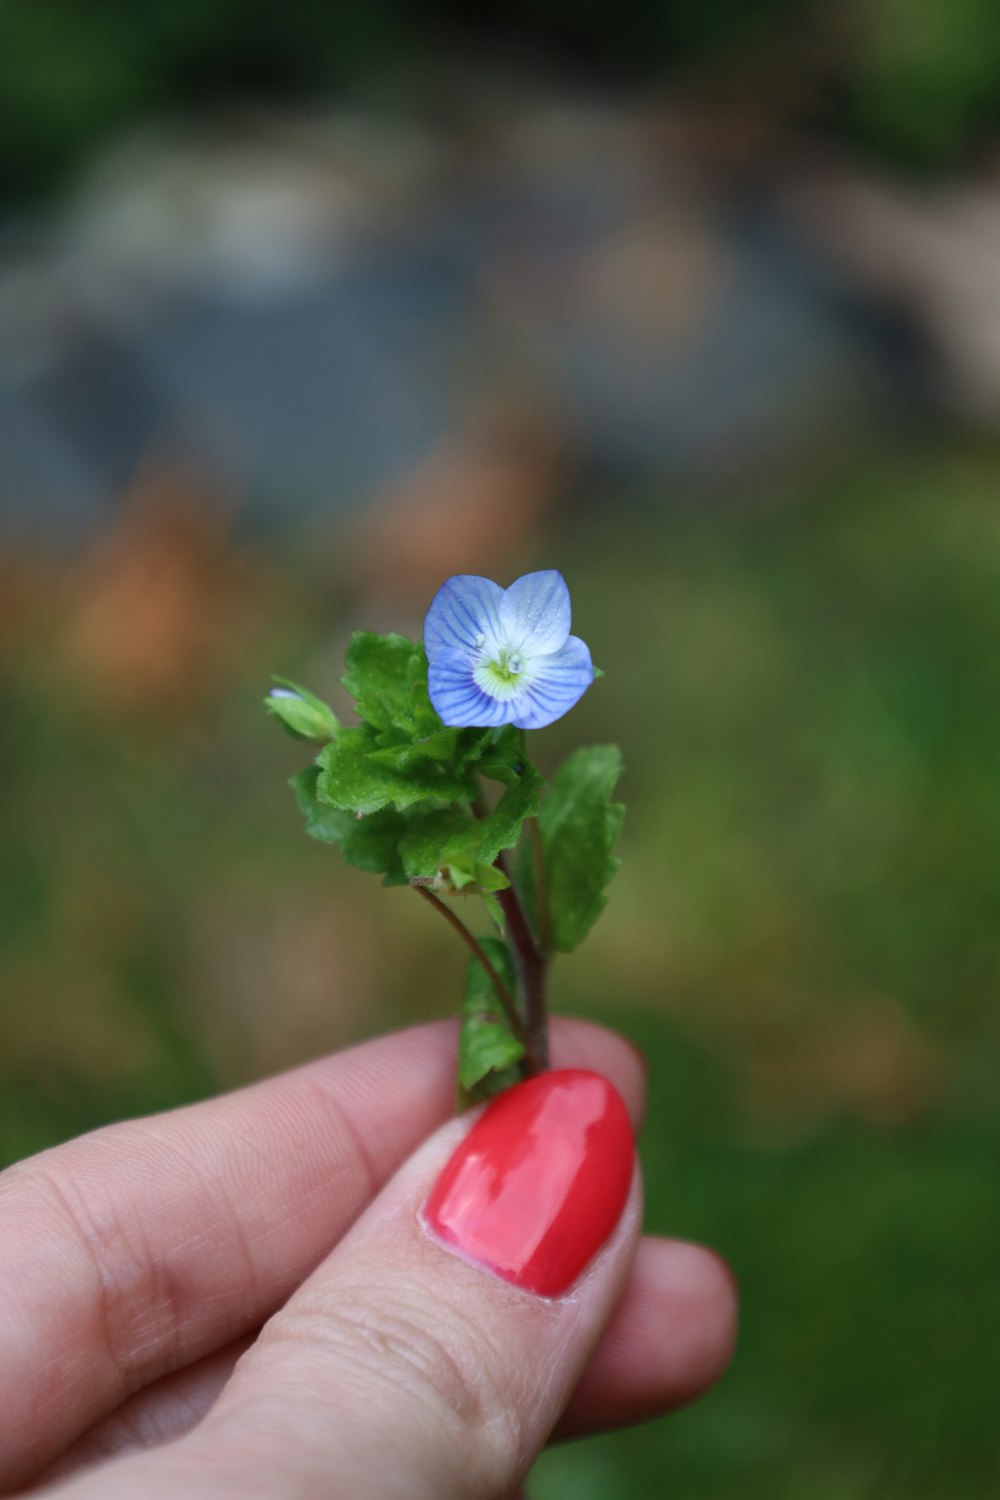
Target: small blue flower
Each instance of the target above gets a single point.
(504, 656)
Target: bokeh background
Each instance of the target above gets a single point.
(303, 308)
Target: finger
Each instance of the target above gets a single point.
(432, 1352)
(671, 1337)
(145, 1246)
(157, 1414)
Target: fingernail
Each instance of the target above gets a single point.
(539, 1182)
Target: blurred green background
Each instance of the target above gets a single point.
(912, 80)
(802, 651)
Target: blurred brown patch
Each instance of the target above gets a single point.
(27, 585)
(159, 608)
(866, 1057)
(802, 1058)
(474, 505)
(657, 280)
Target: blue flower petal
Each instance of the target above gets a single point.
(457, 698)
(535, 613)
(464, 615)
(557, 682)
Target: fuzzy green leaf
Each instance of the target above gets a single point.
(445, 846)
(380, 677)
(474, 745)
(461, 749)
(430, 835)
(401, 753)
(501, 829)
(368, 843)
(352, 780)
(322, 822)
(372, 844)
(579, 825)
(502, 759)
(488, 1052)
(452, 846)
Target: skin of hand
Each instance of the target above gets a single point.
(242, 1298)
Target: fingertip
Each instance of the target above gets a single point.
(696, 1290)
(671, 1338)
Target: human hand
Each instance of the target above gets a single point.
(243, 1298)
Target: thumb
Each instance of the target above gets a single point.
(434, 1350)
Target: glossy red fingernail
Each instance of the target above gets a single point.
(539, 1182)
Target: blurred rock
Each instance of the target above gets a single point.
(306, 311)
(929, 255)
(254, 209)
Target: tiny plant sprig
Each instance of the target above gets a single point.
(433, 788)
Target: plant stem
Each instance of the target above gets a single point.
(532, 964)
(532, 968)
(503, 994)
(541, 887)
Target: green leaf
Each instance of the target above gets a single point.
(305, 716)
(372, 844)
(474, 745)
(400, 753)
(488, 1052)
(488, 879)
(495, 911)
(368, 843)
(431, 835)
(387, 676)
(503, 759)
(352, 780)
(579, 824)
(501, 829)
(384, 674)
(322, 822)
(453, 847)
(460, 748)
(385, 790)
(444, 846)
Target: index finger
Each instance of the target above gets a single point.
(138, 1249)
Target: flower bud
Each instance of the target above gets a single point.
(303, 715)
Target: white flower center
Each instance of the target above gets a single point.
(502, 674)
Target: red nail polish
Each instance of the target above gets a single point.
(540, 1181)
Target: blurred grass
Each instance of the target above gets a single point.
(909, 80)
(803, 937)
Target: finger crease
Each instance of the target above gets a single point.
(135, 1307)
(357, 1142)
